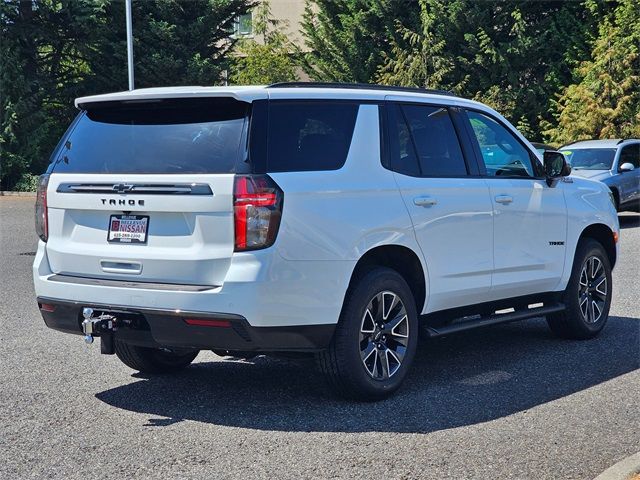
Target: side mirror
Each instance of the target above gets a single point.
(626, 167)
(555, 166)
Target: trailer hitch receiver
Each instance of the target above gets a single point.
(103, 326)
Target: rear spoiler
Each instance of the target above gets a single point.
(152, 95)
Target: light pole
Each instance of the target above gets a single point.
(129, 44)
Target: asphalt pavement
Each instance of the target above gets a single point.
(510, 401)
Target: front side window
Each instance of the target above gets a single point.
(309, 135)
(503, 155)
(424, 142)
(630, 154)
(590, 158)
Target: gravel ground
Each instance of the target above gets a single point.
(505, 402)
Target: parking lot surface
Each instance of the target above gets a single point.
(510, 401)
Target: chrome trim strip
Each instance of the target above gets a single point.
(101, 282)
(137, 188)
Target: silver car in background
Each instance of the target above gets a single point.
(615, 163)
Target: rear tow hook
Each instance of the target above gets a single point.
(103, 325)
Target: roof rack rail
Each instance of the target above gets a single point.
(369, 86)
(622, 140)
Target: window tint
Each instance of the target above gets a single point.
(502, 153)
(434, 140)
(304, 136)
(176, 136)
(630, 154)
(403, 155)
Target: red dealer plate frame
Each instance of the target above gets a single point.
(130, 229)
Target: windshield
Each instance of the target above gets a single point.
(590, 158)
(178, 136)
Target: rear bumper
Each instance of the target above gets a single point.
(260, 286)
(168, 328)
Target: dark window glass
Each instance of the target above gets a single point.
(630, 154)
(435, 141)
(177, 136)
(502, 153)
(403, 154)
(306, 136)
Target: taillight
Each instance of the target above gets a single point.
(42, 220)
(257, 205)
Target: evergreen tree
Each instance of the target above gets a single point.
(55, 50)
(605, 100)
(513, 55)
(421, 58)
(347, 37)
(176, 42)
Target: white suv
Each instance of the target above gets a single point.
(340, 220)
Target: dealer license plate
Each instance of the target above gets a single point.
(128, 229)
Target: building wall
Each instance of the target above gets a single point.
(289, 13)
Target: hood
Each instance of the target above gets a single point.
(592, 174)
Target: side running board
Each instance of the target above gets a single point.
(494, 319)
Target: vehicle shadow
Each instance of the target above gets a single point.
(629, 220)
(459, 380)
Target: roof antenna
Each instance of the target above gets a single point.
(129, 44)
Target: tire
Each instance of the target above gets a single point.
(587, 307)
(363, 361)
(153, 360)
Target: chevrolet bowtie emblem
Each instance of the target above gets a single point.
(122, 188)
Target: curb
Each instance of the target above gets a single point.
(17, 194)
(622, 470)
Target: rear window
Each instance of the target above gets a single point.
(170, 136)
(310, 135)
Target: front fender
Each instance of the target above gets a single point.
(588, 203)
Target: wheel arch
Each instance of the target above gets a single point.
(603, 235)
(403, 260)
(616, 195)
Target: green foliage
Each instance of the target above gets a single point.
(271, 61)
(570, 69)
(347, 37)
(512, 55)
(27, 183)
(53, 51)
(605, 100)
(24, 124)
(420, 58)
(176, 42)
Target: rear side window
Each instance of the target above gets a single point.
(403, 153)
(424, 142)
(170, 136)
(310, 135)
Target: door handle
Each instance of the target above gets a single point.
(425, 201)
(504, 199)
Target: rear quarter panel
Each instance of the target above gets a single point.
(338, 215)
